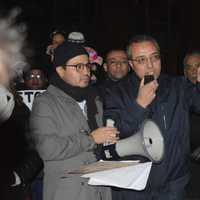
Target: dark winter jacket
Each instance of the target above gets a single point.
(170, 110)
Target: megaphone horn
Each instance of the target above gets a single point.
(147, 142)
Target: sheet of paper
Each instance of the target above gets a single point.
(102, 166)
(132, 177)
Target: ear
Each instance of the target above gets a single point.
(131, 64)
(105, 67)
(129, 68)
(60, 70)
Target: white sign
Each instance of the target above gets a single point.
(29, 95)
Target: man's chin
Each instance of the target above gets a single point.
(84, 84)
(117, 77)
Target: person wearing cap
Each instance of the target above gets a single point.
(76, 37)
(64, 123)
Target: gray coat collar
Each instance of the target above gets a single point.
(59, 93)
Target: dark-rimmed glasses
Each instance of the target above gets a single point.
(80, 67)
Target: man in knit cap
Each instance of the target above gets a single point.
(64, 122)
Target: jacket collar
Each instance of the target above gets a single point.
(59, 93)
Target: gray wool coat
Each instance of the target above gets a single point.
(61, 132)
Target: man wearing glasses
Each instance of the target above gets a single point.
(35, 79)
(191, 63)
(116, 67)
(167, 101)
(64, 122)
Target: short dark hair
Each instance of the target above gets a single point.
(113, 50)
(140, 39)
(58, 32)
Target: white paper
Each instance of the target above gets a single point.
(132, 177)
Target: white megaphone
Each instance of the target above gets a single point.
(147, 142)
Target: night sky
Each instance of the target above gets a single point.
(109, 24)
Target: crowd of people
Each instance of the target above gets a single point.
(66, 127)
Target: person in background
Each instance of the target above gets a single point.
(35, 79)
(116, 67)
(57, 38)
(191, 64)
(20, 163)
(94, 58)
(96, 65)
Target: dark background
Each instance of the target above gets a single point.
(110, 23)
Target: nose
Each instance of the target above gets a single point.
(86, 71)
(149, 63)
(118, 64)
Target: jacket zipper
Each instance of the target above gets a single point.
(164, 118)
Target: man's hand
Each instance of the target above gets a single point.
(50, 49)
(105, 135)
(146, 93)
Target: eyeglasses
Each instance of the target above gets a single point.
(193, 67)
(80, 67)
(143, 60)
(34, 76)
(113, 63)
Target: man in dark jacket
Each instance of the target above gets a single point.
(167, 101)
(191, 63)
(116, 67)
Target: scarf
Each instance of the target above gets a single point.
(79, 95)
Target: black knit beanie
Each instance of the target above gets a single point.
(66, 51)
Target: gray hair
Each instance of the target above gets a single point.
(140, 39)
(193, 53)
(12, 40)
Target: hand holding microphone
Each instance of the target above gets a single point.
(147, 91)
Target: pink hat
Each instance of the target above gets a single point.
(93, 56)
